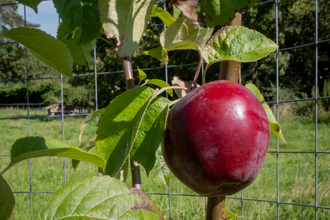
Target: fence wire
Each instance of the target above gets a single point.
(167, 68)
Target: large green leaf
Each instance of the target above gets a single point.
(163, 15)
(31, 3)
(274, 126)
(183, 34)
(80, 53)
(80, 13)
(32, 147)
(118, 127)
(43, 46)
(212, 12)
(237, 43)
(150, 133)
(96, 198)
(7, 201)
(124, 22)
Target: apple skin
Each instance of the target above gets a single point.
(216, 138)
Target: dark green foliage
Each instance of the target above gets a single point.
(307, 108)
(296, 27)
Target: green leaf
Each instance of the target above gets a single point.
(80, 53)
(4, 30)
(80, 13)
(237, 43)
(158, 53)
(7, 201)
(162, 169)
(230, 215)
(176, 12)
(31, 3)
(43, 46)
(125, 22)
(118, 127)
(163, 15)
(33, 147)
(87, 145)
(274, 126)
(184, 35)
(213, 12)
(160, 83)
(96, 198)
(220, 12)
(142, 75)
(88, 119)
(150, 133)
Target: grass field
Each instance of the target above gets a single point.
(296, 173)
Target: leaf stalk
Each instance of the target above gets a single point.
(198, 69)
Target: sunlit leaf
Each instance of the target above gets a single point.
(176, 12)
(118, 126)
(183, 34)
(150, 133)
(160, 83)
(43, 46)
(163, 15)
(124, 22)
(230, 215)
(142, 75)
(33, 147)
(274, 126)
(158, 53)
(96, 198)
(237, 43)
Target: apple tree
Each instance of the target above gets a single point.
(131, 128)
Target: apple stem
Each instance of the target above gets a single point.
(135, 167)
(215, 206)
(198, 69)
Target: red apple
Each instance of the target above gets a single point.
(216, 138)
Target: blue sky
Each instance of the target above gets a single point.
(46, 17)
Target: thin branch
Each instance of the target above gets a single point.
(198, 69)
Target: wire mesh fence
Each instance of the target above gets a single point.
(318, 202)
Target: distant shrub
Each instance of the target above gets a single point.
(307, 108)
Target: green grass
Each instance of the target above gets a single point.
(296, 172)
